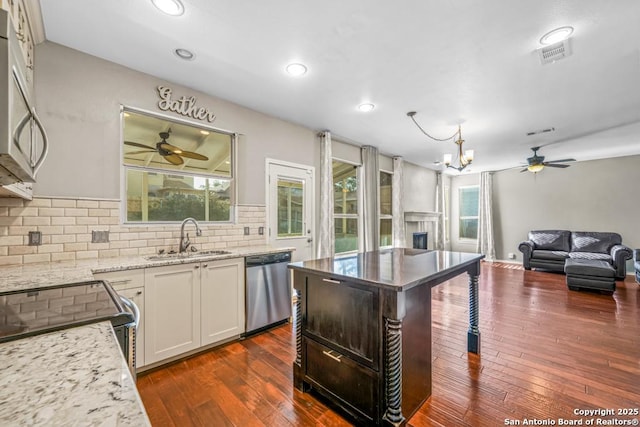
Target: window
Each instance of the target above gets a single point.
(173, 171)
(386, 235)
(345, 206)
(468, 205)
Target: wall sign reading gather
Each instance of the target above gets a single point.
(183, 105)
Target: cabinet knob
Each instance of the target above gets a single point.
(205, 265)
(139, 293)
(196, 267)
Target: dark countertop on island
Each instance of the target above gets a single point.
(399, 269)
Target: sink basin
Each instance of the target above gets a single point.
(186, 255)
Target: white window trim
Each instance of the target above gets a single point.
(460, 217)
(233, 213)
(385, 216)
(351, 216)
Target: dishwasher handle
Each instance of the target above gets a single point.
(258, 260)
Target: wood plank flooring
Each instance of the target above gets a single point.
(546, 351)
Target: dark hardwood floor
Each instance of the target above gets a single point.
(546, 351)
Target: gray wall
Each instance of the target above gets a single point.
(79, 98)
(597, 195)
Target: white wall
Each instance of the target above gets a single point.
(79, 98)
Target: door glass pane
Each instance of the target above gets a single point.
(154, 196)
(385, 232)
(345, 188)
(290, 208)
(346, 234)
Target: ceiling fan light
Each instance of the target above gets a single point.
(170, 7)
(447, 159)
(535, 168)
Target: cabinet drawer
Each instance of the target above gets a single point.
(125, 279)
(354, 384)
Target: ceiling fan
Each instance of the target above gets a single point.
(170, 153)
(536, 163)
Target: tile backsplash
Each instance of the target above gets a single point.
(66, 227)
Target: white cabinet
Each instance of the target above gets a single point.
(172, 318)
(130, 284)
(189, 306)
(221, 300)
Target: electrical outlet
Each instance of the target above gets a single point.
(35, 238)
(511, 255)
(246, 231)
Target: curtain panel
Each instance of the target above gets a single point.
(370, 184)
(486, 244)
(326, 246)
(397, 208)
(439, 238)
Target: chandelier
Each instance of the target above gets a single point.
(464, 157)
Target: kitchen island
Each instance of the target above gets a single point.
(363, 328)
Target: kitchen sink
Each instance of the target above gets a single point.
(186, 255)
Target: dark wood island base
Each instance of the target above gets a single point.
(363, 328)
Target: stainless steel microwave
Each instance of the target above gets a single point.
(23, 141)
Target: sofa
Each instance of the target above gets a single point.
(549, 249)
(636, 263)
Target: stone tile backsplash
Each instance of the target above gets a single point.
(67, 224)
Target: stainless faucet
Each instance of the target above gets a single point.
(184, 240)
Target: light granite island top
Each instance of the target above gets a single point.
(73, 377)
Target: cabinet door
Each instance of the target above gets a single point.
(172, 305)
(137, 296)
(222, 299)
(345, 316)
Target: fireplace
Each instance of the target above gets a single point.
(420, 240)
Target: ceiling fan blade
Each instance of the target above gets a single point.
(136, 144)
(170, 148)
(561, 161)
(140, 152)
(174, 159)
(192, 155)
(552, 165)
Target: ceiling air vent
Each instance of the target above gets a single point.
(555, 52)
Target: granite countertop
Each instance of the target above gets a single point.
(27, 276)
(398, 269)
(76, 377)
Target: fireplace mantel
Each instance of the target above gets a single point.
(422, 216)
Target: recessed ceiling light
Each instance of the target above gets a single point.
(170, 7)
(296, 69)
(184, 54)
(557, 35)
(204, 132)
(365, 108)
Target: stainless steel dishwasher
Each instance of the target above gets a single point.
(268, 291)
